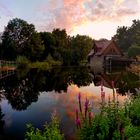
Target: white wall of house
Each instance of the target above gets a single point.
(96, 60)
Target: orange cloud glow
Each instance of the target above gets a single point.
(77, 15)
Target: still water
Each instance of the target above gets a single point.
(30, 96)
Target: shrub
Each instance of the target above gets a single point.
(22, 62)
(51, 131)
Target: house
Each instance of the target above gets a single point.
(106, 52)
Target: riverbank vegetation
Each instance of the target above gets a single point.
(114, 122)
(21, 41)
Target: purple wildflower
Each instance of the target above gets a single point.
(79, 99)
(102, 96)
(90, 117)
(112, 84)
(78, 123)
(76, 111)
(86, 107)
(79, 96)
(101, 86)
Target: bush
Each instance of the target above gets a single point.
(22, 62)
(51, 131)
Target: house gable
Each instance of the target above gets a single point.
(112, 49)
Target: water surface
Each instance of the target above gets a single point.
(32, 96)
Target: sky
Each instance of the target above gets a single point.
(95, 18)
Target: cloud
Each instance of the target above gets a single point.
(119, 2)
(65, 15)
(138, 2)
(109, 11)
(71, 13)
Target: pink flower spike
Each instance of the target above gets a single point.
(86, 107)
(76, 111)
(112, 84)
(101, 86)
(90, 116)
(78, 123)
(79, 96)
(103, 95)
(86, 103)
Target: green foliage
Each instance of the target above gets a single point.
(51, 131)
(79, 49)
(20, 38)
(113, 122)
(49, 44)
(15, 35)
(134, 51)
(126, 37)
(22, 62)
(34, 47)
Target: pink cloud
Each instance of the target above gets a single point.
(71, 13)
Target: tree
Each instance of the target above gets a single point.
(121, 38)
(34, 47)
(49, 43)
(134, 51)
(126, 37)
(80, 47)
(17, 34)
(61, 43)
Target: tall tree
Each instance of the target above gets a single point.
(49, 43)
(61, 43)
(126, 37)
(121, 38)
(15, 38)
(134, 51)
(80, 46)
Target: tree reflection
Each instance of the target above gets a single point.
(58, 79)
(128, 82)
(2, 122)
(22, 90)
(20, 93)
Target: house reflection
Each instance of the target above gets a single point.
(125, 82)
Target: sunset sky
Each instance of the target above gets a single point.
(96, 18)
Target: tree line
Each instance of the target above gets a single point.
(21, 39)
(128, 39)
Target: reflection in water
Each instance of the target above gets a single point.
(125, 82)
(32, 97)
(22, 90)
(1, 122)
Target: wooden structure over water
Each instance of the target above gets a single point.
(105, 53)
